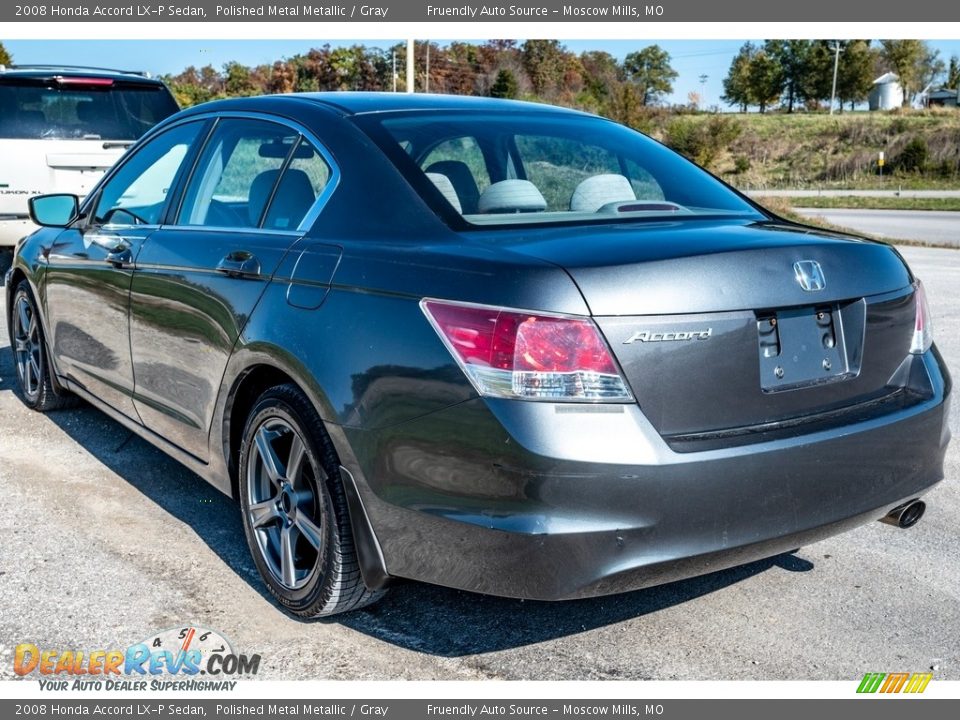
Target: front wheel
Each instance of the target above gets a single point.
(34, 378)
(294, 509)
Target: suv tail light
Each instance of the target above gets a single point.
(510, 353)
(923, 327)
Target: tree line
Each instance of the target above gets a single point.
(792, 74)
(542, 70)
(782, 74)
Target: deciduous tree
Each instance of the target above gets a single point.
(793, 57)
(736, 85)
(766, 80)
(914, 61)
(545, 64)
(650, 71)
(855, 73)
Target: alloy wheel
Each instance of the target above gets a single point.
(283, 503)
(27, 346)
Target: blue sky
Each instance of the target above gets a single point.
(690, 58)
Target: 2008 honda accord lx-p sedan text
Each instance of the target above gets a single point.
(501, 347)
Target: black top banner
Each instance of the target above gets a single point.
(829, 11)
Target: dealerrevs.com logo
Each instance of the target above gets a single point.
(184, 658)
(887, 683)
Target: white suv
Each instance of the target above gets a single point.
(61, 128)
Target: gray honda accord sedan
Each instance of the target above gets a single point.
(490, 345)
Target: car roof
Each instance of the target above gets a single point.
(356, 103)
(360, 103)
(43, 72)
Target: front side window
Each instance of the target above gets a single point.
(254, 174)
(137, 193)
(518, 167)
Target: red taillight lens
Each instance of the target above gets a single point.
(561, 345)
(511, 353)
(922, 327)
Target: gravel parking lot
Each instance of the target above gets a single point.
(104, 540)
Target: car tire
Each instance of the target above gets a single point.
(294, 508)
(35, 381)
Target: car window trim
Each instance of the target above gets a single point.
(312, 214)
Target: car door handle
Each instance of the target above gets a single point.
(239, 263)
(119, 256)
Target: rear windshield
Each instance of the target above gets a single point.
(35, 109)
(508, 168)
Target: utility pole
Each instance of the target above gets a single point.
(836, 65)
(426, 78)
(394, 70)
(410, 66)
(703, 89)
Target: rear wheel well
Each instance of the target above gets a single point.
(254, 382)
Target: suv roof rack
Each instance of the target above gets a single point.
(141, 73)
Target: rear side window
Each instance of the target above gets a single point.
(253, 174)
(301, 184)
(72, 108)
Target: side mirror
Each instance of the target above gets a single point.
(54, 210)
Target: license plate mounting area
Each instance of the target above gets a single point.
(800, 347)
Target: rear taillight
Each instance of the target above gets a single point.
(922, 327)
(535, 356)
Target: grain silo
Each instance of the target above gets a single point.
(886, 93)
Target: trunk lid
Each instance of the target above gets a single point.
(693, 266)
(717, 335)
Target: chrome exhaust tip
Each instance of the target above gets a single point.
(906, 515)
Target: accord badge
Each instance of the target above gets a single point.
(647, 336)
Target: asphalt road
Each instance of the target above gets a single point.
(927, 226)
(104, 540)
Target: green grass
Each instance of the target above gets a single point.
(816, 150)
(875, 203)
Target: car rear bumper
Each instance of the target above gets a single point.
(553, 502)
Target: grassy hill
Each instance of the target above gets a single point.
(775, 150)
